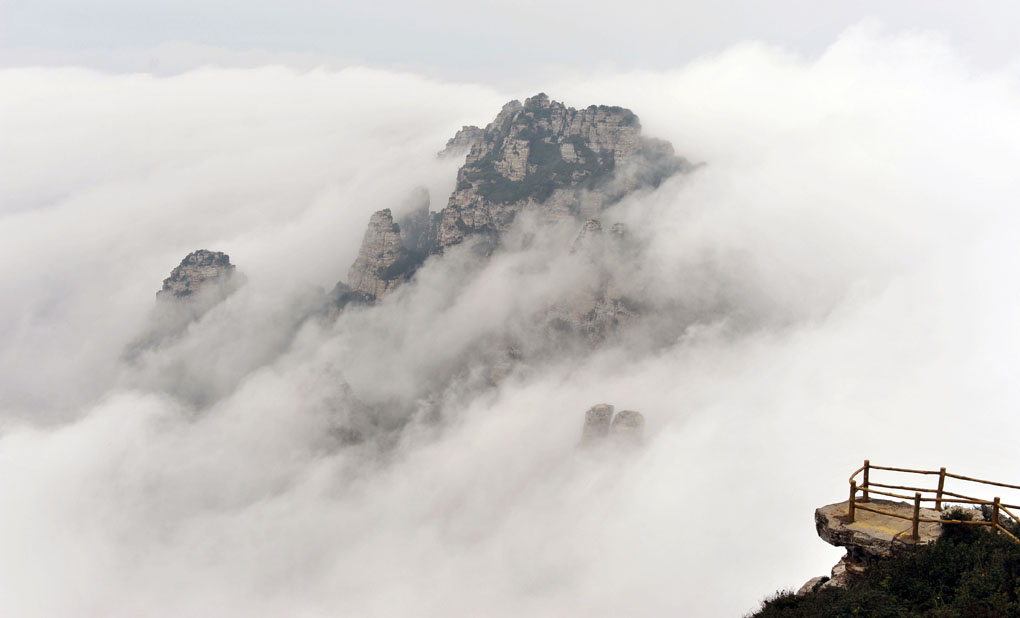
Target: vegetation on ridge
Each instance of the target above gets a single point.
(967, 573)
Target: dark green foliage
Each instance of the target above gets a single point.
(967, 573)
(551, 172)
(405, 265)
(630, 119)
(543, 154)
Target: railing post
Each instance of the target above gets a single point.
(917, 516)
(942, 485)
(853, 497)
(867, 468)
(995, 515)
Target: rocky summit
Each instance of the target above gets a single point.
(540, 156)
(461, 143)
(555, 159)
(199, 271)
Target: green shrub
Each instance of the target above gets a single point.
(967, 573)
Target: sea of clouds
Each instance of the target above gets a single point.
(845, 261)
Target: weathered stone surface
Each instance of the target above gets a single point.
(558, 164)
(417, 226)
(382, 261)
(461, 142)
(199, 271)
(811, 585)
(542, 151)
(596, 423)
(200, 282)
(872, 535)
(628, 426)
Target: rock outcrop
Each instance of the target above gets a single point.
(628, 426)
(201, 281)
(871, 536)
(461, 143)
(382, 262)
(555, 162)
(600, 426)
(596, 423)
(199, 271)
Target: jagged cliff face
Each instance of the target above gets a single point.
(461, 143)
(552, 158)
(199, 271)
(391, 252)
(554, 162)
(373, 272)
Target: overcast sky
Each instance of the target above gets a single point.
(460, 39)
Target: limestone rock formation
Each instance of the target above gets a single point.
(202, 280)
(560, 161)
(198, 271)
(626, 428)
(461, 142)
(596, 423)
(558, 164)
(382, 261)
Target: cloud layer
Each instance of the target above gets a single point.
(842, 270)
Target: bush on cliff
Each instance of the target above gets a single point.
(967, 573)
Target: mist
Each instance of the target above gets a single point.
(836, 283)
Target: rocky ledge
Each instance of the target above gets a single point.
(869, 538)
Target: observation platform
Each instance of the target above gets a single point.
(875, 535)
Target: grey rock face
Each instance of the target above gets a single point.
(596, 423)
(626, 428)
(382, 260)
(575, 162)
(558, 164)
(871, 535)
(461, 143)
(390, 252)
(201, 281)
(418, 225)
(198, 271)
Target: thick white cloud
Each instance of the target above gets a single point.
(854, 229)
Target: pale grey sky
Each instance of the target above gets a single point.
(474, 40)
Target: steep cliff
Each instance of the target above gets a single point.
(461, 142)
(555, 159)
(555, 162)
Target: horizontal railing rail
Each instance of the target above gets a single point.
(941, 496)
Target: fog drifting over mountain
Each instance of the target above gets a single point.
(853, 232)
